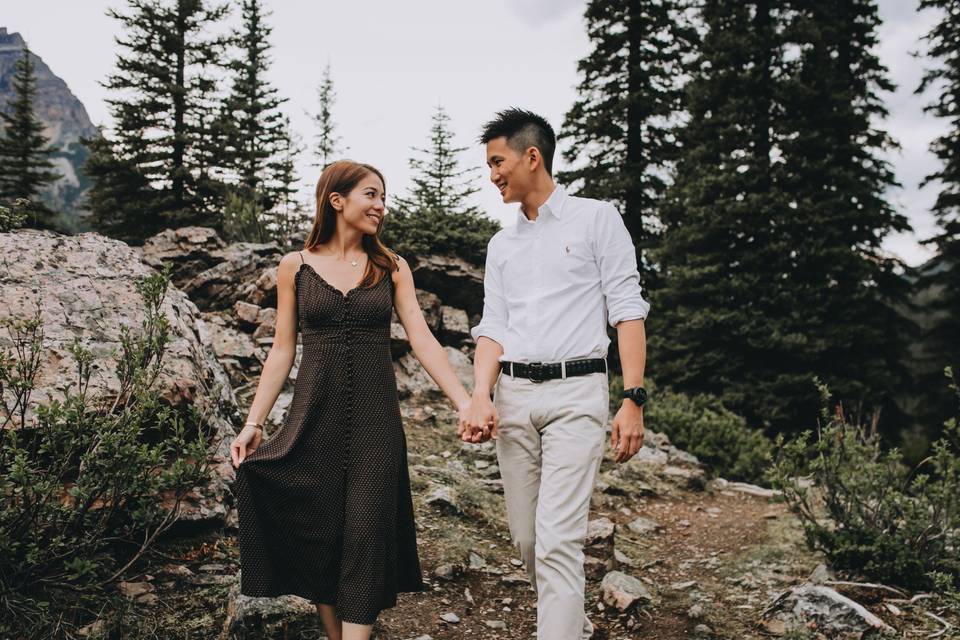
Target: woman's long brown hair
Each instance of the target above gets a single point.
(341, 177)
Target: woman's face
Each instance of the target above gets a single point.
(364, 206)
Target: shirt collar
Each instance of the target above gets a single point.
(553, 206)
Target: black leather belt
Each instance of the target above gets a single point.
(540, 371)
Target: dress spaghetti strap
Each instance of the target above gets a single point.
(300, 253)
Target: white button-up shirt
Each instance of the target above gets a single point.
(551, 284)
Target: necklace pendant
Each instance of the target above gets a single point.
(353, 263)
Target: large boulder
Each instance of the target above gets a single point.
(457, 282)
(188, 250)
(246, 272)
(85, 288)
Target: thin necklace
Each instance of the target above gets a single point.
(353, 262)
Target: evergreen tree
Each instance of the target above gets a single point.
(121, 199)
(844, 287)
(253, 126)
(773, 272)
(325, 145)
(436, 216)
(25, 166)
(287, 217)
(942, 342)
(164, 112)
(720, 326)
(622, 127)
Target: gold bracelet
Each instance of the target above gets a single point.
(253, 424)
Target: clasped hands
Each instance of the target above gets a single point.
(479, 422)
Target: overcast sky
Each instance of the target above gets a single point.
(393, 62)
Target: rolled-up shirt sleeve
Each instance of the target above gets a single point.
(617, 260)
(493, 324)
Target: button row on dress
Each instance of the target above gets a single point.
(350, 391)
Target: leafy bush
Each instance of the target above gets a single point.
(89, 483)
(464, 235)
(14, 216)
(701, 425)
(867, 511)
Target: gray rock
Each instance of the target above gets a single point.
(255, 618)
(476, 561)
(695, 612)
(825, 609)
(444, 499)
(623, 592)
(246, 312)
(86, 288)
(431, 307)
(598, 547)
(189, 250)
(495, 624)
(457, 282)
(450, 618)
(246, 271)
(644, 526)
(412, 379)
(702, 631)
(820, 574)
(454, 325)
(133, 589)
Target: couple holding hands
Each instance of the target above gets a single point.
(324, 505)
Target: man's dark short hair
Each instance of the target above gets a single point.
(523, 129)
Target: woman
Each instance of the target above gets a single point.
(325, 507)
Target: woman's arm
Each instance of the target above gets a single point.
(279, 361)
(425, 346)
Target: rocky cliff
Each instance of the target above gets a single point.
(65, 120)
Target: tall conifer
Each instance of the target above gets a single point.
(326, 139)
(25, 166)
(621, 130)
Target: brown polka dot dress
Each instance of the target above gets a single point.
(324, 505)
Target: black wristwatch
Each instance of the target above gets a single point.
(637, 394)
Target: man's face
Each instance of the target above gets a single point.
(507, 171)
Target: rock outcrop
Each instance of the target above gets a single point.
(85, 288)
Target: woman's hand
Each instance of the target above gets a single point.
(245, 443)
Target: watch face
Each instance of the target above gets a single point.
(638, 395)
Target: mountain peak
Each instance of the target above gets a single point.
(10, 41)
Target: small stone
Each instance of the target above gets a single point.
(683, 523)
(517, 562)
(179, 570)
(495, 624)
(246, 312)
(695, 612)
(644, 526)
(448, 571)
(148, 599)
(134, 589)
(467, 595)
(450, 618)
(476, 561)
(623, 558)
(820, 574)
(702, 631)
(623, 591)
(683, 586)
(515, 579)
(213, 567)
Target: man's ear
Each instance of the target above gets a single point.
(336, 201)
(533, 158)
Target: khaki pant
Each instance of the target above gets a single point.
(550, 445)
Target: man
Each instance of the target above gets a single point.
(551, 284)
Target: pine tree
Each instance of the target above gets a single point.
(253, 125)
(286, 216)
(942, 342)
(436, 216)
(325, 145)
(121, 200)
(721, 325)
(844, 287)
(622, 128)
(164, 112)
(25, 166)
(771, 259)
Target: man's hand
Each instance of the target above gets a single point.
(483, 421)
(626, 435)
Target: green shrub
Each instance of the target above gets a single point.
(429, 232)
(15, 215)
(868, 512)
(89, 483)
(701, 425)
